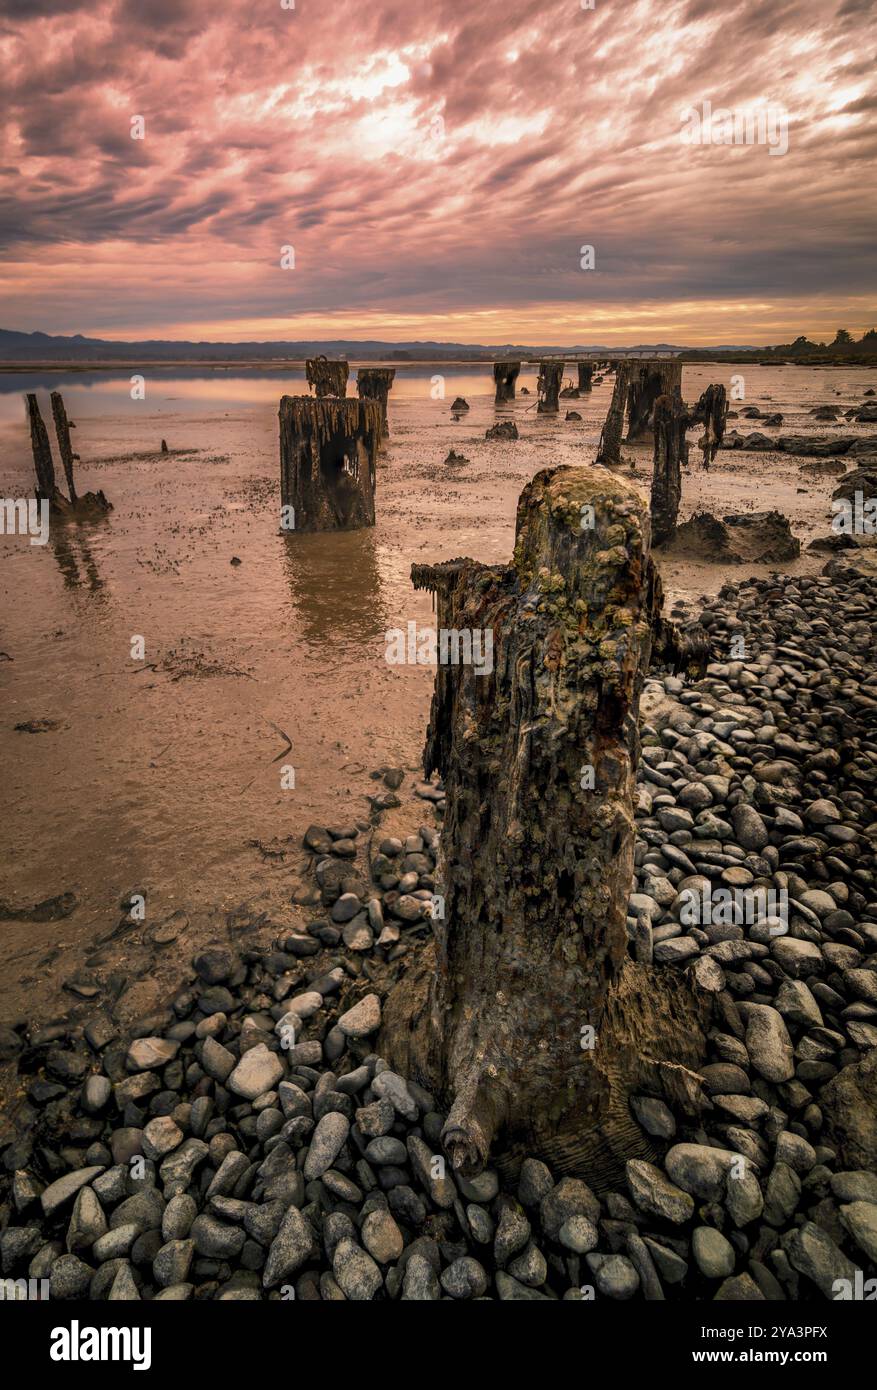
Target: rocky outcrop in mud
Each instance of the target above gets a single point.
(806, 444)
(748, 537)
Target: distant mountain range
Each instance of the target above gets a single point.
(45, 347)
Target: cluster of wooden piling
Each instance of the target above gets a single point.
(327, 446)
(638, 384)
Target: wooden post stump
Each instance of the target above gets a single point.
(65, 448)
(671, 451)
(646, 382)
(538, 758)
(328, 451)
(550, 378)
(586, 375)
(92, 504)
(712, 412)
(327, 378)
(373, 384)
(609, 451)
(44, 465)
(505, 375)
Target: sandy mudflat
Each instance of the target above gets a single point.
(161, 774)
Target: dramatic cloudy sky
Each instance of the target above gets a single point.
(436, 165)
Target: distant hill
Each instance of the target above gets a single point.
(47, 348)
(44, 347)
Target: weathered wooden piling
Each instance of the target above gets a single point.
(328, 450)
(373, 384)
(550, 378)
(609, 450)
(327, 378)
(42, 452)
(638, 384)
(505, 375)
(586, 375)
(646, 382)
(712, 412)
(65, 448)
(671, 451)
(536, 863)
(92, 504)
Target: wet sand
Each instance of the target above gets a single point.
(163, 774)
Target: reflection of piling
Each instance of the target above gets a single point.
(550, 377)
(327, 461)
(327, 378)
(373, 384)
(505, 374)
(65, 448)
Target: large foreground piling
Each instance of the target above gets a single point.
(550, 378)
(526, 1015)
(327, 378)
(373, 384)
(505, 375)
(328, 450)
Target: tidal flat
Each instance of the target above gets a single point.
(264, 650)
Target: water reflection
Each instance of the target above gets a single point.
(72, 549)
(336, 589)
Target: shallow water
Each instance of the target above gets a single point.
(163, 777)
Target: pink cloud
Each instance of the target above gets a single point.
(430, 163)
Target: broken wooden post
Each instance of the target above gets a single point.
(586, 375)
(609, 450)
(328, 450)
(327, 378)
(550, 378)
(538, 756)
(93, 503)
(712, 412)
(505, 375)
(646, 382)
(65, 448)
(671, 451)
(373, 384)
(44, 466)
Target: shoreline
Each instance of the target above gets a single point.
(283, 364)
